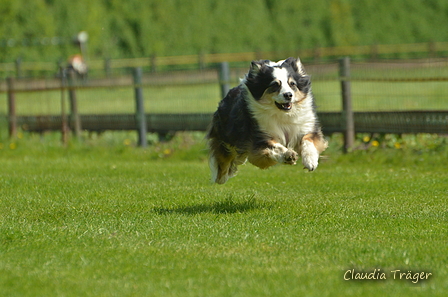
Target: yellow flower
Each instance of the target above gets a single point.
(397, 145)
(127, 142)
(366, 139)
(375, 143)
(167, 151)
(13, 145)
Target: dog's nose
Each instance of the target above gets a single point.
(287, 96)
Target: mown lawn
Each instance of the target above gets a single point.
(113, 220)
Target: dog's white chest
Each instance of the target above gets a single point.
(287, 129)
(285, 132)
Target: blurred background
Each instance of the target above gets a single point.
(78, 58)
(44, 30)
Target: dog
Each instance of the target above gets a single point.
(269, 118)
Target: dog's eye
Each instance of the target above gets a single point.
(292, 84)
(274, 86)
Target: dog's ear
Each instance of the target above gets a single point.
(296, 65)
(256, 66)
(300, 68)
(304, 83)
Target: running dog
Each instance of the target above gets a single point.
(269, 118)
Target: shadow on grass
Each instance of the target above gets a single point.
(227, 206)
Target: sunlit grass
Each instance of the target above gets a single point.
(103, 218)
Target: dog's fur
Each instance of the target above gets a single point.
(269, 118)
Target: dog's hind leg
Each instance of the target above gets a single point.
(222, 162)
(219, 170)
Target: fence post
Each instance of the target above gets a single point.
(18, 64)
(347, 111)
(140, 108)
(64, 121)
(432, 49)
(75, 119)
(224, 78)
(107, 67)
(12, 117)
(374, 52)
(201, 60)
(317, 54)
(153, 63)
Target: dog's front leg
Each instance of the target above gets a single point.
(310, 147)
(272, 153)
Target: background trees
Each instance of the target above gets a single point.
(42, 30)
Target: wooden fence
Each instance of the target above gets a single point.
(346, 121)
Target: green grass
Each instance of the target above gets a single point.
(113, 220)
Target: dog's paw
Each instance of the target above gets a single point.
(310, 162)
(310, 156)
(290, 157)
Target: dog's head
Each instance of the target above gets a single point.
(283, 84)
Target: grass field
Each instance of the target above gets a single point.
(107, 219)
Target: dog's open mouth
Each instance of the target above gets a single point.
(284, 106)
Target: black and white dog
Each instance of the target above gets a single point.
(269, 118)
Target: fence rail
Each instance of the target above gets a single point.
(332, 122)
